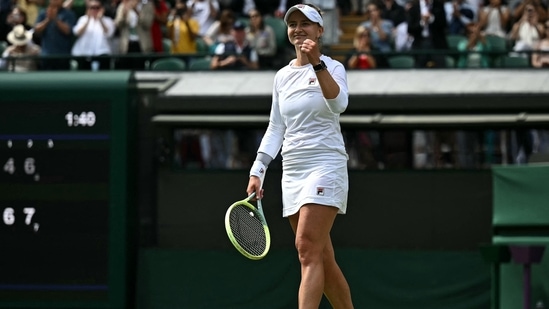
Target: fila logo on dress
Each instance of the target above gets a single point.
(320, 191)
(312, 81)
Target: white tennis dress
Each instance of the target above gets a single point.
(306, 126)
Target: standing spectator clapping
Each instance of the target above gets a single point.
(494, 18)
(93, 32)
(134, 20)
(540, 59)
(221, 30)
(427, 25)
(54, 25)
(262, 38)
(518, 8)
(381, 30)
(242, 8)
(161, 11)
(182, 30)
(205, 12)
(391, 10)
(459, 14)
(527, 31)
(32, 9)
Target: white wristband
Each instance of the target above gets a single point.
(258, 169)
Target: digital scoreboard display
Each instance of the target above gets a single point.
(62, 194)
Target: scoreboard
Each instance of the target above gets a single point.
(64, 189)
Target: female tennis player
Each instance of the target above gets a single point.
(308, 96)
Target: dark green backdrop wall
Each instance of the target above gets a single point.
(409, 240)
(431, 210)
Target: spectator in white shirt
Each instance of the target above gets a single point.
(93, 32)
(205, 12)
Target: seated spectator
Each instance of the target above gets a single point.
(54, 25)
(21, 46)
(541, 58)
(262, 38)
(494, 18)
(361, 57)
(221, 30)
(237, 54)
(182, 30)
(381, 30)
(133, 20)
(474, 49)
(93, 31)
(527, 31)
(161, 11)
(459, 13)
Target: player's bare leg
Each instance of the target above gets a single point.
(312, 225)
(336, 287)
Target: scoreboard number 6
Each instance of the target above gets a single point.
(8, 216)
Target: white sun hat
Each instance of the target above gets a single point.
(19, 36)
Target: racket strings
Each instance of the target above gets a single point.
(248, 230)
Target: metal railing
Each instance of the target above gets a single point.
(144, 60)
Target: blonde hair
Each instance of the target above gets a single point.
(359, 31)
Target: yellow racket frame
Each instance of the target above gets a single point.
(256, 211)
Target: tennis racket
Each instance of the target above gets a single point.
(247, 228)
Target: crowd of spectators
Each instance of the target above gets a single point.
(455, 33)
(129, 34)
(241, 35)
